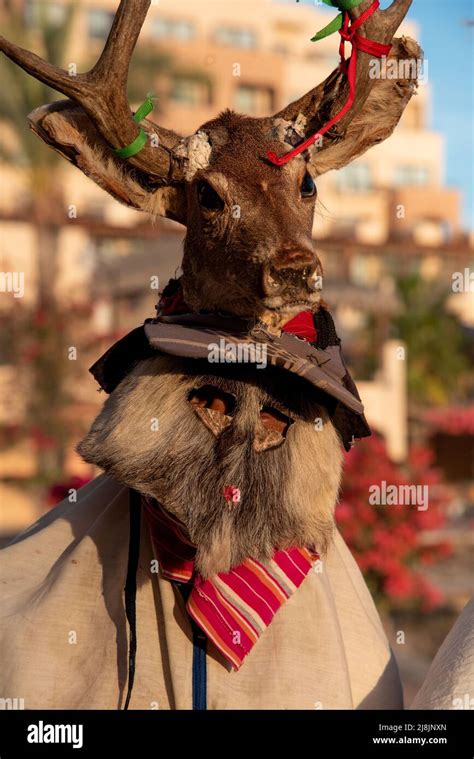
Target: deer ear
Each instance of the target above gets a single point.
(66, 128)
(380, 113)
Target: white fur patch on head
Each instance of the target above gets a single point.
(196, 149)
(290, 132)
(299, 124)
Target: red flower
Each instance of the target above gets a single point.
(385, 539)
(231, 494)
(400, 584)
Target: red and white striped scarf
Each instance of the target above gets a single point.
(232, 608)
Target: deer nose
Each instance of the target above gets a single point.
(294, 272)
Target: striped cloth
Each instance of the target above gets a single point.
(232, 608)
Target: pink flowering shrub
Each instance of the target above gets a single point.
(385, 539)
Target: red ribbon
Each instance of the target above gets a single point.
(348, 34)
(302, 325)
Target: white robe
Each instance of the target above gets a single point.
(64, 636)
(449, 683)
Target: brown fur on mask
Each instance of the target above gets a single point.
(287, 493)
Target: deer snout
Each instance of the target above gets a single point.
(292, 273)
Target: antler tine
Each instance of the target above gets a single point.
(45, 72)
(327, 98)
(115, 58)
(110, 110)
(102, 92)
(395, 13)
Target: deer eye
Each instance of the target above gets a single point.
(308, 186)
(208, 198)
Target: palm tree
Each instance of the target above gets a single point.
(437, 366)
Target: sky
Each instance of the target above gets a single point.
(448, 43)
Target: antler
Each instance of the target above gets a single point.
(102, 92)
(320, 104)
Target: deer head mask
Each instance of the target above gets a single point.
(249, 248)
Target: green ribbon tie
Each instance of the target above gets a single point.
(336, 23)
(141, 139)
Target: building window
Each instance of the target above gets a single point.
(170, 28)
(99, 23)
(37, 13)
(411, 175)
(234, 36)
(190, 91)
(249, 98)
(356, 178)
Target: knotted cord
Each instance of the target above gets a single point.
(348, 32)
